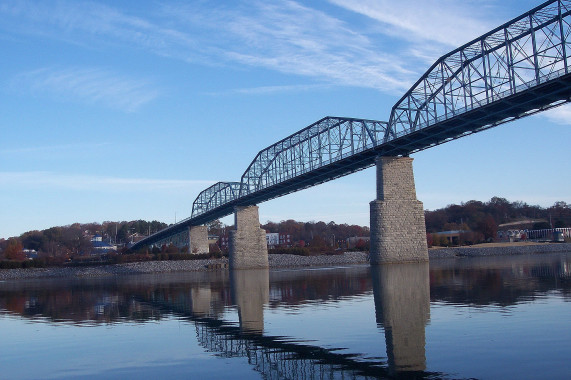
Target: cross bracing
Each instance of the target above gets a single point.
(515, 70)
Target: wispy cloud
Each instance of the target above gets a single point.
(447, 22)
(265, 90)
(55, 148)
(282, 35)
(426, 29)
(559, 115)
(43, 179)
(88, 85)
(292, 38)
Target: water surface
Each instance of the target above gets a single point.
(495, 317)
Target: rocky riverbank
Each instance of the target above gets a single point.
(499, 249)
(276, 261)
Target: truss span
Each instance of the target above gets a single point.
(515, 70)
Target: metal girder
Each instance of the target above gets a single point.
(215, 196)
(513, 71)
(323, 143)
(513, 58)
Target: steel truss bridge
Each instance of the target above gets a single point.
(513, 71)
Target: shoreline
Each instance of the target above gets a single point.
(275, 262)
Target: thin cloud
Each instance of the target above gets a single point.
(55, 148)
(447, 22)
(282, 35)
(431, 28)
(560, 115)
(265, 90)
(86, 182)
(89, 85)
(291, 38)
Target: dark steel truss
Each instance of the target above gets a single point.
(215, 196)
(323, 143)
(526, 52)
(513, 71)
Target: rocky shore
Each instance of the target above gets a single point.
(275, 261)
(500, 249)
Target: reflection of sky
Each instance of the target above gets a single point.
(501, 342)
(149, 350)
(350, 321)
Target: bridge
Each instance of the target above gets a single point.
(516, 70)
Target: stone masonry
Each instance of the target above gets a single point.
(198, 236)
(398, 231)
(248, 247)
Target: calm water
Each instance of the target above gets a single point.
(464, 318)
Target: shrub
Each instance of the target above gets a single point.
(9, 264)
(299, 251)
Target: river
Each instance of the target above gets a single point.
(482, 317)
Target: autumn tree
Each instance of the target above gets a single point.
(14, 250)
(215, 227)
(488, 227)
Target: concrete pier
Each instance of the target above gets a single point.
(198, 239)
(248, 247)
(398, 230)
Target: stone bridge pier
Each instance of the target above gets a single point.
(248, 246)
(198, 239)
(398, 230)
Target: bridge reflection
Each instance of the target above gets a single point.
(401, 293)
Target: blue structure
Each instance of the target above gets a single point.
(513, 71)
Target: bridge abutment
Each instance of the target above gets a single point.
(248, 247)
(198, 239)
(398, 230)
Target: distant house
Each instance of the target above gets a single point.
(136, 237)
(353, 241)
(453, 237)
(101, 247)
(212, 239)
(30, 253)
(273, 239)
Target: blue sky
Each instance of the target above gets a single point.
(127, 110)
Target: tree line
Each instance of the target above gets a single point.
(481, 219)
(59, 243)
(312, 234)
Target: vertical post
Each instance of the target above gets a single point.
(248, 247)
(398, 230)
(198, 239)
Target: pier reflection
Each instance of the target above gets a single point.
(402, 308)
(250, 292)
